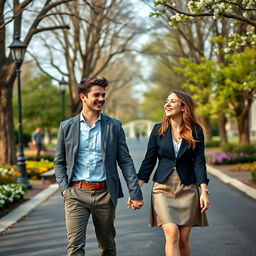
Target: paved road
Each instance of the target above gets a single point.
(231, 231)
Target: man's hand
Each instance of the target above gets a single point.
(135, 204)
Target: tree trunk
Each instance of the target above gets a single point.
(243, 125)
(207, 127)
(222, 120)
(7, 143)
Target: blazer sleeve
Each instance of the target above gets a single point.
(126, 165)
(60, 161)
(150, 159)
(199, 158)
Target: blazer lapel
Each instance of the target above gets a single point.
(167, 142)
(104, 134)
(183, 147)
(76, 135)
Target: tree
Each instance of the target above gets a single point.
(199, 81)
(191, 41)
(232, 84)
(41, 104)
(238, 87)
(101, 37)
(237, 11)
(37, 14)
(227, 36)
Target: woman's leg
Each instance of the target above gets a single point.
(171, 232)
(184, 240)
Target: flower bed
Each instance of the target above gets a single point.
(10, 193)
(36, 168)
(243, 167)
(230, 158)
(8, 175)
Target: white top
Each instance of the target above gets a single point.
(176, 146)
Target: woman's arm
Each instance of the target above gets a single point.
(150, 159)
(199, 158)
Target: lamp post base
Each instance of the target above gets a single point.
(21, 167)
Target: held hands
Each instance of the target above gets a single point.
(135, 204)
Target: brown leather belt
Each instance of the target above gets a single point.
(93, 185)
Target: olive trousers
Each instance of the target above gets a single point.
(80, 203)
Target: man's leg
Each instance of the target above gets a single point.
(77, 212)
(39, 148)
(103, 215)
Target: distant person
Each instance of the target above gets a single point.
(37, 140)
(178, 145)
(89, 147)
(137, 135)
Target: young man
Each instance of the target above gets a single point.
(89, 146)
(37, 140)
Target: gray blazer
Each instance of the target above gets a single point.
(114, 150)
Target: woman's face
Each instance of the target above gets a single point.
(173, 106)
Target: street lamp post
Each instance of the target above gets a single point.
(63, 86)
(18, 49)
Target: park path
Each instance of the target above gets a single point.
(231, 231)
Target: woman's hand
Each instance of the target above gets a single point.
(204, 201)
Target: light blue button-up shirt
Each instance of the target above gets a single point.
(89, 163)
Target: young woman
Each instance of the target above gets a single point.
(178, 145)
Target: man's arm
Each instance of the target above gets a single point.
(127, 167)
(60, 162)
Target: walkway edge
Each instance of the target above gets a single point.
(21, 211)
(249, 191)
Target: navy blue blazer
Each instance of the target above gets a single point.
(190, 163)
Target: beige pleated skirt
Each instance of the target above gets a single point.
(173, 202)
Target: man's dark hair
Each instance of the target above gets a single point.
(86, 84)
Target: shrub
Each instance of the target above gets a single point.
(47, 157)
(26, 138)
(212, 143)
(253, 174)
(247, 149)
(11, 193)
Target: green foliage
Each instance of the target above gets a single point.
(40, 158)
(253, 175)
(26, 138)
(238, 77)
(41, 104)
(232, 148)
(152, 107)
(163, 77)
(200, 82)
(212, 143)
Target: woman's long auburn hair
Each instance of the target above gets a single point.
(188, 116)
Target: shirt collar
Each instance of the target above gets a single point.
(83, 120)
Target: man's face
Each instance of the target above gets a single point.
(95, 99)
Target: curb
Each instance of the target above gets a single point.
(21, 211)
(249, 191)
